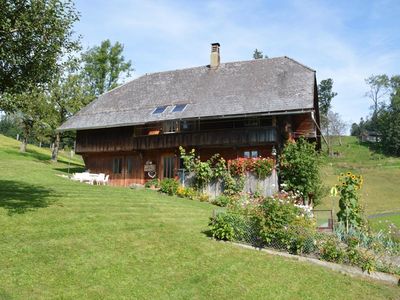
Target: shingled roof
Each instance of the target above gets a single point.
(248, 87)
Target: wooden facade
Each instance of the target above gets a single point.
(126, 152)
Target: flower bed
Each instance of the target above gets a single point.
(280, 222)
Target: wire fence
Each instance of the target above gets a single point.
(247, 230)
(354, 248)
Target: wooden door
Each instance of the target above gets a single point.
(168, 166)
(133, 171)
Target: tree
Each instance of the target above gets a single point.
(337, 126)
(325, 96)
(378, 89)
(355, 130)
(33, 36)
(10, 126)
(258, 54)
(299, 170)
(67, 95)
(389, 120)
(104, 67)
(32, 108)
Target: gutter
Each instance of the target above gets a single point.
(275, 113)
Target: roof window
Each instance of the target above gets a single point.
(159, 109)
(179, 107)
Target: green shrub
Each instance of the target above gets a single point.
(360, 257)
(274, 217)
(186, 192)
(299, 170)
(302, 236)
(233, 185)
(222, 201)
(169, 186)
(152, 183)
(263, 167)
(203, 198)
(226, 226)
(331, 250)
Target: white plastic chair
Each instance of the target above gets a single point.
(106, 180)
(100, 178)
(103, 180)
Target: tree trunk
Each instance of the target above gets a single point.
(329, 141)
(54, 152)
(24, 142)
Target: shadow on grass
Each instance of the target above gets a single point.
(19, 197)
(71, 169)
(374, 147)
(207, 233)
(43, 157)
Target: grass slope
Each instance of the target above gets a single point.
(381, 189)
(67, 240)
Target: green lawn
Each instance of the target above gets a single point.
(381, 190)
(383, 223)
(66, 240)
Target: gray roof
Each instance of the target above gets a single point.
(246, 87)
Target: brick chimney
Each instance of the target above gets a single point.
(214, 57)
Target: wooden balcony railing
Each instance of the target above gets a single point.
(226, 137)
(122, 140)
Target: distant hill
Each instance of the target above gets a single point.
(381, 190)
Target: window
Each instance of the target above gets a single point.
(179, 107)
(250, 154)
(129, 165)
(188, 125)
(159, 109)
(169, 166)
(252, 122)
(171, 126)
(117, 165)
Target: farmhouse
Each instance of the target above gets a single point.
(237, 109)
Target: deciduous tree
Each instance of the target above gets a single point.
(34, 34)
(379, 87)
(105, 67)
(67, 95)
(325, 96)
(258, 54)
(32, 108)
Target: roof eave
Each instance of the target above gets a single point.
(271, 113)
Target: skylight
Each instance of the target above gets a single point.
(179, 107)
(159, 110)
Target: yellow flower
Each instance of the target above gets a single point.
(353, 177)
(341, 174)
(348, 173)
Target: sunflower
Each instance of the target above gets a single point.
(348, 173)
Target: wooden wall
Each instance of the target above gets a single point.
(103, 162)
(99, 147)
(122, 139)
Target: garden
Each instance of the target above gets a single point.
(62, 239)
(285, 220)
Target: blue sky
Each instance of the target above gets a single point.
(343, 40)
